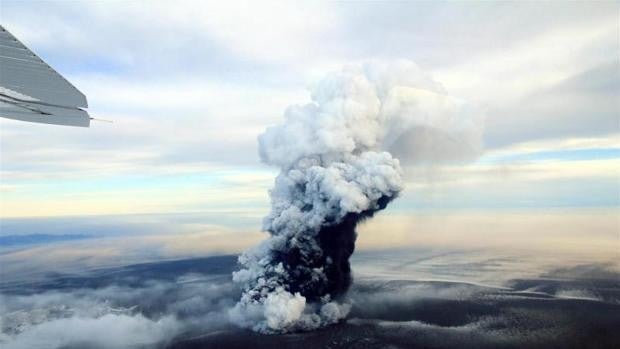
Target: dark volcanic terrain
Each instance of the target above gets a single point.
(576, 307)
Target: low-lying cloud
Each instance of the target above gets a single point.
(146, 313)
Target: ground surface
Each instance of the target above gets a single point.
(183, 304)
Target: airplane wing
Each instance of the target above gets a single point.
(30, 90)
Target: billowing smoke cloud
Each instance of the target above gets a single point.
(334, 174)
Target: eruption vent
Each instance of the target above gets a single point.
(333, 175)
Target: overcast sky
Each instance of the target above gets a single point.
(190, 85)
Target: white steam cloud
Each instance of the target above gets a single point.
(334, 173)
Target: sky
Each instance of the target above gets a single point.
(189, 86)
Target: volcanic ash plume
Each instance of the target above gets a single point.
(333, 175)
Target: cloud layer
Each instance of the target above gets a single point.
(543, 72)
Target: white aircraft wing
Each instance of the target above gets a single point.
(30, 90)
